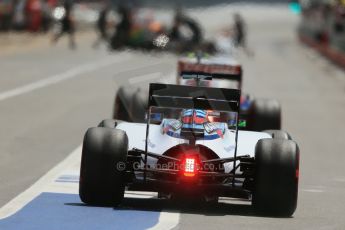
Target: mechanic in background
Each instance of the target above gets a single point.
(239, 31)
(181, 19)
(101, 26)
(46, 15)
(240, 34)
(123, 28)
(67, 25)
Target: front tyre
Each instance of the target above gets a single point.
(101, 183)
(276, 177)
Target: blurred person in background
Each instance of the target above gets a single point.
(101, 25)
(67, 25)
(240, 34)
(33, 15)
(123, 28)
(339, 25)
(6, 14)
(186, 33)
(19, 15)
(46, 15)
(239, 31)
(182, 20)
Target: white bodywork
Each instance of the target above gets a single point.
(159, 142)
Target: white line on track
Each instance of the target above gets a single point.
(313, 190)
(156, 77)
(37, 188)
(167, 220)
(70, 166)
(71, 73)
(145, 78)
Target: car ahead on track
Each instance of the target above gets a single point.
(257, 114)
(190, 149)
(149, 32)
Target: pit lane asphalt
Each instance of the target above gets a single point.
(39, 128)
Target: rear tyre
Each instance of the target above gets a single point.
(212, 200)
(122, 105)
(265, 114)
(279, 134)
(101, 183)
(276, 177)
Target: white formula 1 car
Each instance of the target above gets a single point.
(191, 148)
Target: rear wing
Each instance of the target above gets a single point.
(222, 71)
(191, 97)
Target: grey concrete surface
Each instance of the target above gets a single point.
(40, 128)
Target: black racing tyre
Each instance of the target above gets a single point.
(276, 177)
(195, 29)
(123, 100)
(138, 106)
(108, 123)
(101, 183)
(212, 200)
(265, 114)
(278, 134)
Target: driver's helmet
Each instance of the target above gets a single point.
(193, 118)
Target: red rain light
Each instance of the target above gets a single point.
(190, 166)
